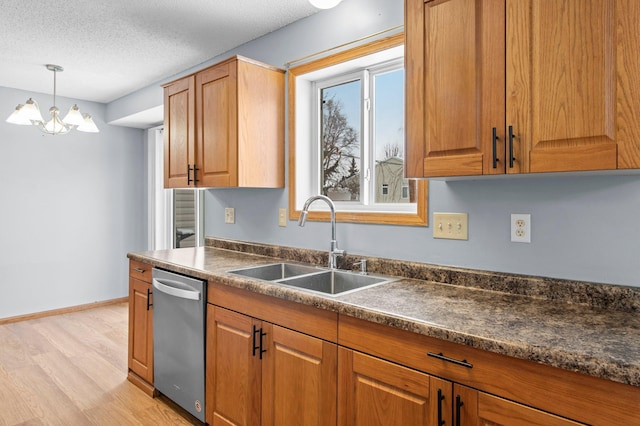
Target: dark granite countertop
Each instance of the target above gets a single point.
(594, 340)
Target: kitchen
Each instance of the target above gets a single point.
(582, 226)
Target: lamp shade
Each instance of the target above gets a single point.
(74, 116)
(88, 125)
(17, 117)
(324, 4)
(55, 126)
(31, 111)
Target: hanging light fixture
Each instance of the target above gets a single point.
(29, 114)
(324, 4)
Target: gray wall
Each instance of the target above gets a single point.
(72, 207)
(583, 227)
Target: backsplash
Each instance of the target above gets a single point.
(605, 296)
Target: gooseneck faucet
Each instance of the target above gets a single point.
(334, 252)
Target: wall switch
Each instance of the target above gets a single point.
(521, 228)
(229, 215)
(282, 217)
(453, 226)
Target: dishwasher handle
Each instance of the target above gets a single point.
(176, 288)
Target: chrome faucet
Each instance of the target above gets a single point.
(334, 252)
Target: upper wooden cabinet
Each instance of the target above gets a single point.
(521, 86)
(224, 127)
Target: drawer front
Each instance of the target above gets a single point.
(140, 270)
(295, 316)
(551, 389)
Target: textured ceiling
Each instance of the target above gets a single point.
(111, 48)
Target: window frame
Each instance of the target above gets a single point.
(418, 218)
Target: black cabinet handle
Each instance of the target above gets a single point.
(256, 347)
(195, 174)
(262, 350)
(459, 405)
(189, 180)
(462, 363)
(149, 294)
(440, 399)
(495, 139)
(511, 137)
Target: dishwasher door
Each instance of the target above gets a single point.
(179, 317)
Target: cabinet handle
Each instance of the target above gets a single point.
(256, 330)
(195, 174)
(462, 363)
(139, 270)
(149, 294)
(511, 137)
(261, 347)
(440, 399)
(459, 405)
(495, 139)
(189, 180)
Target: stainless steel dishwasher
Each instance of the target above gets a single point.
(179, 317)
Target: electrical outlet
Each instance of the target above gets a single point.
(229, 215)
(282, 217)
(521, 228)
(452, 226)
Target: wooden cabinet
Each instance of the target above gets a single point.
(494, 389)
(472, 408)
(140, 359)
(377, 392)
(260, 373)
(224, 127)
(521, 86)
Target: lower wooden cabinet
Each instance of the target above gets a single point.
(140, 327)
(376, 392)
(373, 391)
(259, 373)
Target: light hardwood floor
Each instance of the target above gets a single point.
(71, 369)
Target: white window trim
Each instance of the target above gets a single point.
(306, 130)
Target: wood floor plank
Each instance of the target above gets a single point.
(71, 369)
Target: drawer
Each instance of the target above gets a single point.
(140, 270)
(551, 389)
(295, 316)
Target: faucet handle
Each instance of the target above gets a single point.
(363, 266)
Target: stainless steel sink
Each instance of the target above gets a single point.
(335, 282)
(275, 271)
(328, 282)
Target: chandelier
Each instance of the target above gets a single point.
(29, 114)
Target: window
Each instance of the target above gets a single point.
(346, 136)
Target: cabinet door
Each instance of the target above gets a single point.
(569, 84)
(216, 118)
(372, 391)
(179, 133)
(299, 379)
(478, 408)
(454, 63)
(140, 330)
(233, 372)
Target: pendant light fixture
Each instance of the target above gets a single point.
(29, 114)
(324, 4)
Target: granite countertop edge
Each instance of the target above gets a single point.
(618, 370)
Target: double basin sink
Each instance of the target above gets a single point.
(326, 281)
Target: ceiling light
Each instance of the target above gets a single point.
(29, 113)
(324, 4)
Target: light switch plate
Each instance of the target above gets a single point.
(453, 226)
(282, 217)
(229, 215)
